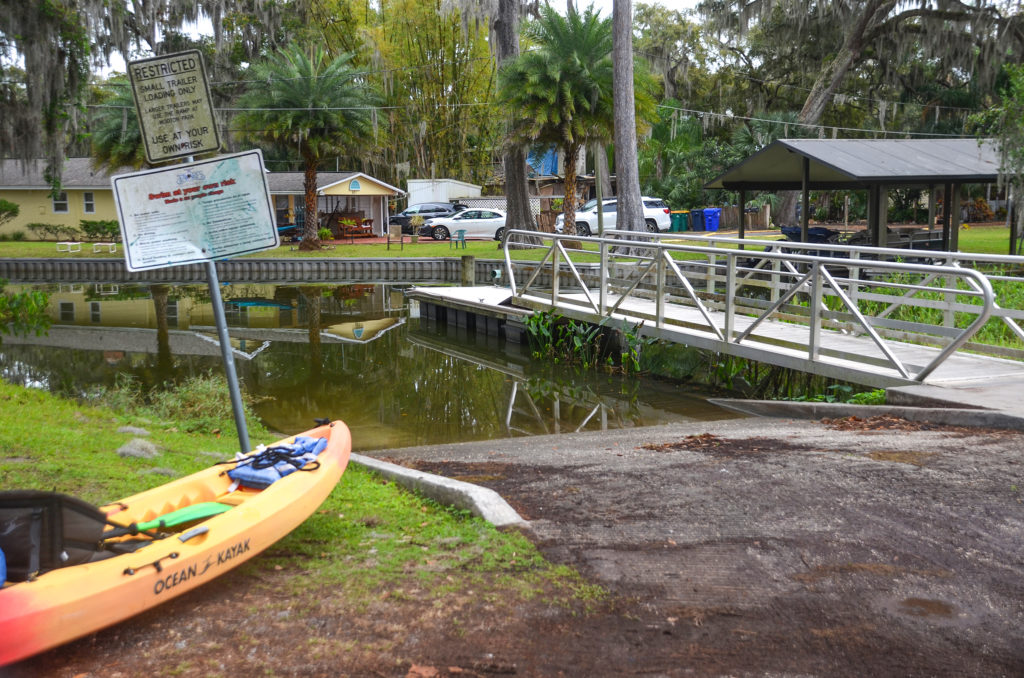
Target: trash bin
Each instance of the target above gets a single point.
(697, 220)
(679, 220)
(711, 216)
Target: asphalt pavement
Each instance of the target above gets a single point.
(906, 532)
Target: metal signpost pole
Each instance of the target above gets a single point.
(228, 356)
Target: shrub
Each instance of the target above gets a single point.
(18, 236)
(53, 231)
(103, 229)
(324, 234)
(8, 210)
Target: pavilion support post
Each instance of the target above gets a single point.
(805, 206)
(954, 230)
(743, 211)
(873, 214)
(882, 206)
(931, 207)
(946, 211)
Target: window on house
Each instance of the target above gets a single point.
(67, 311)
(60, 203)
(88, 202)
(94, 311)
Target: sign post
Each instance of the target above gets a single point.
(199, 211)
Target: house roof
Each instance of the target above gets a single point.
(857, 163)
(343, 186)
(79, 173)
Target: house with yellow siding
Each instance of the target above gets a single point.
(86, 193)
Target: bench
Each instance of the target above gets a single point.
(68, 246)
(109, 246)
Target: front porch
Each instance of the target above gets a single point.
(350, 204)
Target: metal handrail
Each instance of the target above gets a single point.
(652, 258)
(1007, 315)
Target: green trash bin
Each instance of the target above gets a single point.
(680, 220)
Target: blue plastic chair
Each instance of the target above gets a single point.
(458, 236)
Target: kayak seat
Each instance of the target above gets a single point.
(43, 531)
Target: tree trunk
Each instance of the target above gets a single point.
(834, 72)
(310, 230)
(829, 79)
(630, 209)
(601, 156)
(506, 46)
(572, 152)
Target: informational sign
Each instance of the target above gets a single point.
(201, 211)
(172, 98)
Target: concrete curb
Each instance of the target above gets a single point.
(932, 415)
(480, 501)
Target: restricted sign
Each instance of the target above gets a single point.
(172, 98)
(201, 211)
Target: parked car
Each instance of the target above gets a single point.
(426, 210)
(657, 216)
(478, 223)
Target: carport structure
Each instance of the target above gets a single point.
(873, 165)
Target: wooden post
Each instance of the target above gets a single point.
(882, 205)
(954, 228)
(873, 214)
(743, 210)
(947, 201)
(931, 207)
(805, 199)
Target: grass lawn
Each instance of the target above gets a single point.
(986, 239)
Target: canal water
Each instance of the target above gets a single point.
(356, 352)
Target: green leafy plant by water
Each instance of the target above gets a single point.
(560, 340)
(23, 313)
(199, 404)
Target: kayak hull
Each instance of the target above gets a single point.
(71, 602)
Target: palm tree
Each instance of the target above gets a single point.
(308, 102)
(561, 90)
(116, 137)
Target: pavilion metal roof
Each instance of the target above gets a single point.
(858, 163)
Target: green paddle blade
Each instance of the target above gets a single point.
(206, 509)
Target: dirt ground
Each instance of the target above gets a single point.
(742, 548)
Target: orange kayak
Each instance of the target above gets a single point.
(153, 559)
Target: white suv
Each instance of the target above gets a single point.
(656, 216)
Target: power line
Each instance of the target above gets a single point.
(835, 128)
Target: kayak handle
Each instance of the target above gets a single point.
(194, 532)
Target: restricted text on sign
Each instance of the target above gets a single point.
(174, 105)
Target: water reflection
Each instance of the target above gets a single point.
(354, 352)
